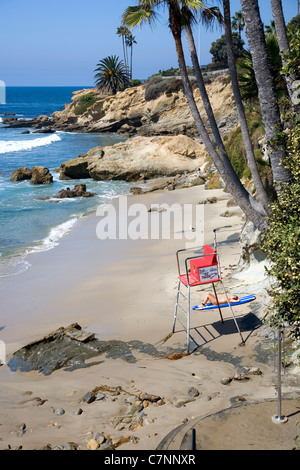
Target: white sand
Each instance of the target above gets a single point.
(123, 290)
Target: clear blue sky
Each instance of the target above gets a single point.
(60, 42)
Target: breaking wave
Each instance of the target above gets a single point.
(17, 145)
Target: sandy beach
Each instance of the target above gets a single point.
(125, 290)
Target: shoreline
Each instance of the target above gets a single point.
(51, 240)
(124, 290)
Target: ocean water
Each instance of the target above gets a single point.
(28, 223)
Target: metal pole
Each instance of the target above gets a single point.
(279, 418)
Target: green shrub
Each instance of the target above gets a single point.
(281, 242)
(157, 86)
(136, 82)
(83, 103)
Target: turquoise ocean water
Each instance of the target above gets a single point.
(27, 223)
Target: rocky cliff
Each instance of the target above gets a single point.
(131, 113)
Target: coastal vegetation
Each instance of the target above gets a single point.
(112, 74)
(282, 239)
(83, 103)
(156, 86)
(218, 51)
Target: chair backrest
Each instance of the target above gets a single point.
(207, 259)
(205, 268)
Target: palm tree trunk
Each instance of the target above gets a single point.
(131, 51)
(123, 43)
(203, 92)
(248, 204)
(266, 90)
(283, 42)
(261, 192)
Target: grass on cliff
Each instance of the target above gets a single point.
(84, 102)
(157, 86)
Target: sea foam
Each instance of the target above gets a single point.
(54, 235)
(19, 263)
(17, 145)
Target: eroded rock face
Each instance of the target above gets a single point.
(138, 158)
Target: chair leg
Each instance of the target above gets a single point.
(233, 316)
(176, 305)
(188, 321)
(218, 302)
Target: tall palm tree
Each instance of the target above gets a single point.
(238, 23)
(129, 41)
(123, 32)
(145, 11)
(266, 90)
(261, 191)
(112, 74)
(283, 42)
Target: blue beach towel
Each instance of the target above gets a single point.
(209, 306)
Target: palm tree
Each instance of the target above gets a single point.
(112, 74)
(123, 32)
(266, 90)
(145, 11)
(261, 191)
(280, 28)
(129, 41)
(238, 23)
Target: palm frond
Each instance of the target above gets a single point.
(211, 16)
(138, 15)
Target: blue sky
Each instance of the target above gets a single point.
(60, 42)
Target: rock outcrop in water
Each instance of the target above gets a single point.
(36, 175)
(79, 190)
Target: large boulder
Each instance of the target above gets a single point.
(41, 175)
(138, 158)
